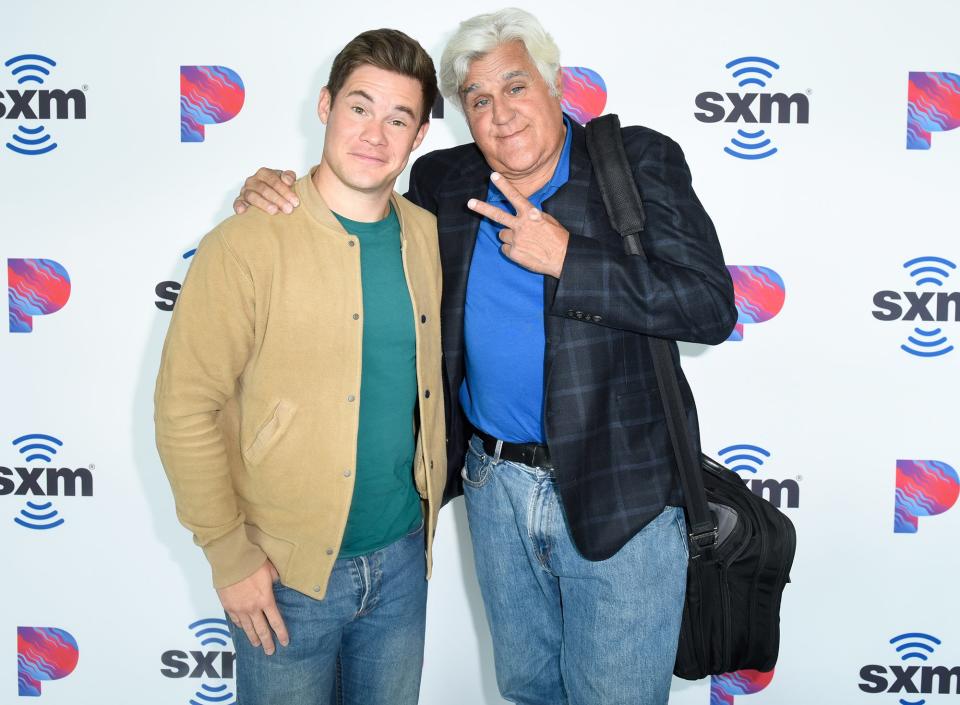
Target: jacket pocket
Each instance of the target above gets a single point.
(270, 431)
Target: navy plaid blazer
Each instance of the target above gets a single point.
(604, 420)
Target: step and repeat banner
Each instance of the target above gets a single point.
(824, 140)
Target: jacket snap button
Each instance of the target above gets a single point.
(316, 588)
(351, 243)
(329, 551)
(426, 394)
(356, 316)
(346, 473)
(350, 397)
(423, 319)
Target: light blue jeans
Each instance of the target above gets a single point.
(373, 618)
(568, 631)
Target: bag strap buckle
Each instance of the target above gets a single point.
(703, 541)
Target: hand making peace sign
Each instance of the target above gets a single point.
(531, 238)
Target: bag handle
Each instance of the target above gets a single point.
(625, 209)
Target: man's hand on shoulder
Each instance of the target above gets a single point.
(270, 190)
(251, 606)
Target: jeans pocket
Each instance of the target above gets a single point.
(476, 469)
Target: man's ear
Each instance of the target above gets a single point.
(421, 133)
(558, 84)
(324, 104)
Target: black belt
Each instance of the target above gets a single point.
(532, 454)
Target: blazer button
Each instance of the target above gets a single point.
(570, 313)
(426, 394)
(431, 465)
(351, 243)
(356, 316)
(423, 319)
(329, 551)
(579, 314)
(346, 473)
(316, 588)
(597, 319)
(350, 397)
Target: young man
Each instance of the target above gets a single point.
(299, 404)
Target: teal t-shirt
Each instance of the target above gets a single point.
(385, 504)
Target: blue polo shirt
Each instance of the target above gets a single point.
(502, 391)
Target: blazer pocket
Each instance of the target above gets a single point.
(270, 432)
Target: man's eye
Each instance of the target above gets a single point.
(481, 102)
(516, 89)
(398, 123)
(358, 110)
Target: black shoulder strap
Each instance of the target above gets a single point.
(625, 210)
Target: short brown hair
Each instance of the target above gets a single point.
(390, 50)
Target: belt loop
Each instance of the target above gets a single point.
(496, 452)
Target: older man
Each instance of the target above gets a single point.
(571, 489)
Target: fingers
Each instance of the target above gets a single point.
(491, 212)
(506, 236)
(270, 190)
(517, 199)
(276, 623)
(262, 628)
(246, 623)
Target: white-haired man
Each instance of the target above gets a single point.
(571, 488)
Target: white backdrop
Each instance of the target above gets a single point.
(823, 387)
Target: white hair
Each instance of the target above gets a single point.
(482, 34)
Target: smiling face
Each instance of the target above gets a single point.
(514, 118)
(372, 126)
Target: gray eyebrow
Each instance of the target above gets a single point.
(504, 77)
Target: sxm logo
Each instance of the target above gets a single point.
(753, 143)
(759, 295)
(584, 93)
(924, 308)
(724, 687)
(215, 666)
(747, 460)
(35, 287)
(209, 95)
(168, 291)
(924, 488)
(44, 654)
(28, 103)
(916, 677)
(34, 480)
(933, 105)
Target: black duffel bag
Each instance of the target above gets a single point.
(731, 617)
(741, 546)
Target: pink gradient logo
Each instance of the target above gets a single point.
(925, 488)
(43, 654)
(209, 95)
(759, 293)
(584, 93)
(35, 287)
(933, 105)
(724, 687)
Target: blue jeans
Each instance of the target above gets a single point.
(372, 618)
(568, 631)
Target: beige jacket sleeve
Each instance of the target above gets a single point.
(208, 344)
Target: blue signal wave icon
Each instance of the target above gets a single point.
(37, 451)
(929, 270)
(743, 457)
(220, 694)
(29, 68)
(42, 447)
(932, 271)
(211, 631)
(753, 143)
(753, 70)
(914, 646)
(39, 522)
